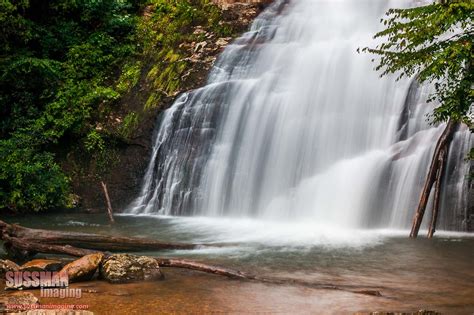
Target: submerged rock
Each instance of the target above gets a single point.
(84, 268)
(12, 302)
(42, 265)
(420, 312)
(122, 268)
(7, 265)
(120, 293)
(42, 311)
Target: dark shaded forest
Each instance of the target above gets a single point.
(64, 67)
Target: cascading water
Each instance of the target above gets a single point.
(294, 124)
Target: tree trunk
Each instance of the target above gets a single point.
(438, 162)
(109, 204)
(437, 193)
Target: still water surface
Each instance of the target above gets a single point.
(433, 274)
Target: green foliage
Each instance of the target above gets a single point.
(64, 64)
(28, 83)
(29, 178)
(163, 34)
(94, 142)
(129, 125)
(129, 77)
(58, 64)
(434, 42)
(98, 146)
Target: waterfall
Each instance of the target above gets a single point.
(295, 125)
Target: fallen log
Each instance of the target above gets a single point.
(19, 247)
(93, 241)
(438, 161)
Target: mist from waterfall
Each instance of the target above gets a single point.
(295, 125)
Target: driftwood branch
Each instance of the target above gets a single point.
(180, 263)
(438, 161)
(109, 204)
(236, 274)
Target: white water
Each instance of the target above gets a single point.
(295, 126)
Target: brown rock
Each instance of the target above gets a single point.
(223, 41)
(7, 265)
(83, 268)
(42, 265)
(122, 268)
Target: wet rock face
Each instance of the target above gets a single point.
(42, 265)
(121, 268)
(83, 268)
(7, 265)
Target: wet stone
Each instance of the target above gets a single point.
(16, 299)
(42, 265)
(121, 268)
(7, 265)
(84, 268)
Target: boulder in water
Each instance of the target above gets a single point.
(84, 268)
(122, 268)
(42, 265)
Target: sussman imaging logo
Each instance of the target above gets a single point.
(51, 283)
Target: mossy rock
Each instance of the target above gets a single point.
(122, 268)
